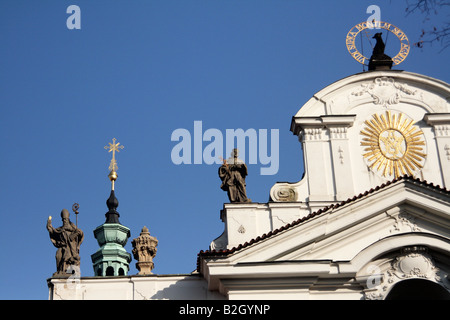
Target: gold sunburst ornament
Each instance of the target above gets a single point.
(394, 146)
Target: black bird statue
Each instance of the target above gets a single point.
(379, 60)
(379, 46)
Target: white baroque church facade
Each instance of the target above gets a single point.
(370, 219)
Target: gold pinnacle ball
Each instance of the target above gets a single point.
(112, 176)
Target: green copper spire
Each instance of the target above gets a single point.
(111, 259)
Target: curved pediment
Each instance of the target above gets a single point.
(369, 128)
(379, 88)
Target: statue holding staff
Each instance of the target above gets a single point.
(67, 239)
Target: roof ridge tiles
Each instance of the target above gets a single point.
(211, 253)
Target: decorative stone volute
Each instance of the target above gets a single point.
(144, 250)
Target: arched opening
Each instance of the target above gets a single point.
(121, 272)
(110, 271)
(418, 289)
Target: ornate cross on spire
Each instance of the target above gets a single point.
(114, 147)
(113, 165)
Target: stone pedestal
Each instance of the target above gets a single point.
(380, 64)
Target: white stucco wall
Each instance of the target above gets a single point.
(154, 287)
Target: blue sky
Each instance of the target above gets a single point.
(136, 71)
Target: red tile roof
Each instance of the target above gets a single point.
(218, 253)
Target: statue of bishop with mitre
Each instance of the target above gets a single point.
(67, 239)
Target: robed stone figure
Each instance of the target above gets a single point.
(67, 239)
(232, 173)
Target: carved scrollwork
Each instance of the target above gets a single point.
(406, 221)
(413, 263)
(286, 194)
(384, 91)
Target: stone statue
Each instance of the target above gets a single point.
(67, 239)
(144, 250)
(232, 173)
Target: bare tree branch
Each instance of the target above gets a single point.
(437, 33)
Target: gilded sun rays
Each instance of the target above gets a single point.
(393, 145)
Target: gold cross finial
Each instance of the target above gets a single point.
(114, 147)
(113, 164)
